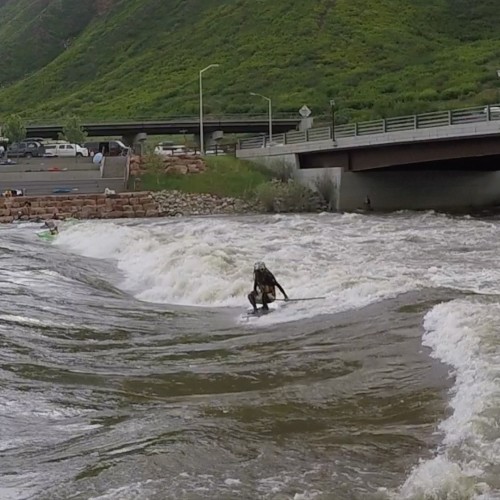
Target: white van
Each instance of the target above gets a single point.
(67, 150)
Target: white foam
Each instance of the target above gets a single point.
(24, 487)
(464, 334)
(351, 260)
(209, 262)
(134, 491)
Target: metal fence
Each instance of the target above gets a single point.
(384, 126)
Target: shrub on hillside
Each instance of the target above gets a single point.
(281, 170)
(327, 188)
(153, 164)
(300, 198)
(266, 195)
(429, 95)
(291, 196)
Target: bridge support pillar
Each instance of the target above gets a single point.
(210, 139)
(383, 190)
(137, 142)
(447, 190)
(451, 190)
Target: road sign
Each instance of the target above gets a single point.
(304, 111)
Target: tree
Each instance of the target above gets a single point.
(73, 131)
(154, 165)
(14, 128)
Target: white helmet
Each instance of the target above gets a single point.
(259, 266)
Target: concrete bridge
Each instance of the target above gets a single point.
(444, 160)
(129, 129)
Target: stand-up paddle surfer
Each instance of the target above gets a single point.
(264, 291)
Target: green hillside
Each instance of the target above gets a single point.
(34, 33)
(140, 58)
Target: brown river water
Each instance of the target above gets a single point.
(130, 370)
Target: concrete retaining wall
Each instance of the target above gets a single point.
(420, 190)
(115, 166)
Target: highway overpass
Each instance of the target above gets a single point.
(230, 124)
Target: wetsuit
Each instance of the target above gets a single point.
(264, 289)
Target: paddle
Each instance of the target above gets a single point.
(296, 300)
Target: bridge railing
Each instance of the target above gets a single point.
(433, 119)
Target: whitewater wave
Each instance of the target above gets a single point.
(351, 260)
(209, 262)
(464, 335)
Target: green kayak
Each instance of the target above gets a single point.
(46, 235)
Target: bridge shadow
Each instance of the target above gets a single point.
(488, 163)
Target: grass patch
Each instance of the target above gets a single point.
(225, 176)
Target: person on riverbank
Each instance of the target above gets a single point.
(25, 212)
(367, 205)
(97, 158)
(264, 287)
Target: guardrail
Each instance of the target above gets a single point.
(435, 119)
(33, 121)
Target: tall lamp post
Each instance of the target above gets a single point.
(270, 114)
(332, 108)
(202, 140)
(498, 74)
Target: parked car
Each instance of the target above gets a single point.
(107, 148)
(41, 140)
(215, 151)
(494, 110)
(26, 149)
(172, 150)
(67, 150)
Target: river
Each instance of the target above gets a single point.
(129, 368)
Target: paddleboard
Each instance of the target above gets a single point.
(259, 312)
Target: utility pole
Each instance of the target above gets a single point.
(270, 114)
(332, 109)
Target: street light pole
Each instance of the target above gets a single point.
(332, 107)
(202, 139)
(498, 74)
(270, 114)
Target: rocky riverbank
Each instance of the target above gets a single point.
(173, 165)
(151, 204)
(176, 203)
